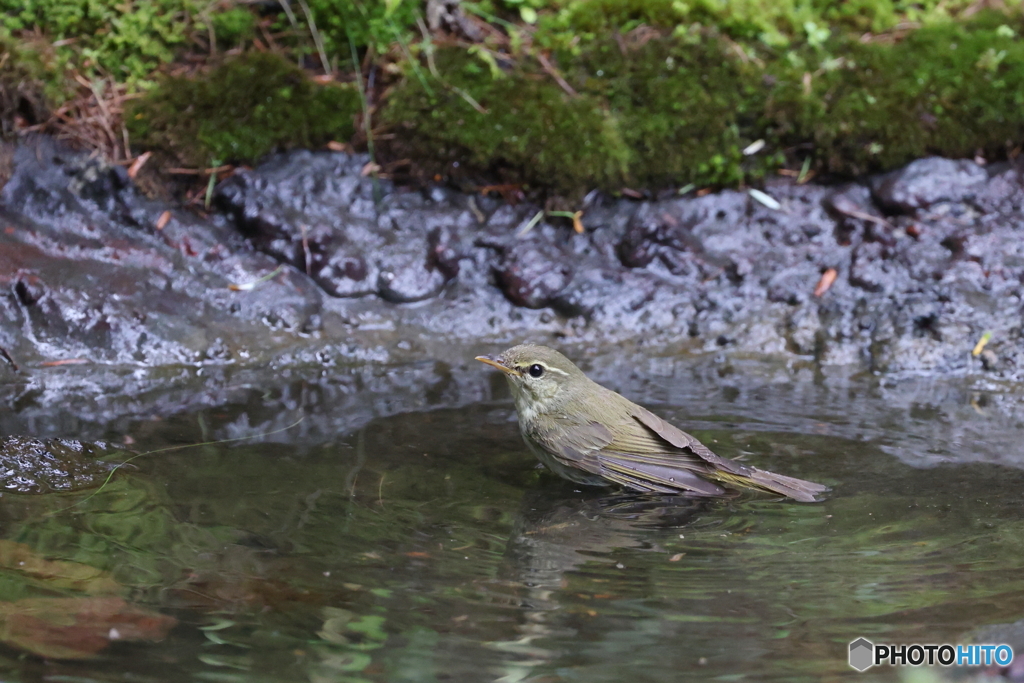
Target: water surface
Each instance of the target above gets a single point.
(402, 532)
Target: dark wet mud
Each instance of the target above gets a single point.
(901, 274)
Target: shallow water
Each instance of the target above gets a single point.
(385, 538)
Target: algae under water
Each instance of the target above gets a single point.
(414, 539)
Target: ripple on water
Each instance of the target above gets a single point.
(427, 546)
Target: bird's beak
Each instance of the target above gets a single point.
(496, 362)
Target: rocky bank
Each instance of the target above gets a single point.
(925, 261)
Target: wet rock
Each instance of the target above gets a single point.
(989, 360)
(605, 294)
(218, 351)
(793, 285)
(29, 465)
(661, 235)
(871, 267)
(28, 288)
(803, 328)
(352, 236)
(925, 182)
(1003, 193)
(332, 239)
(641, 243)
(345, 272)
(925, 258)
(407, 273)
(86, 274)
(857, 217)
(445, 251)
(531, 273)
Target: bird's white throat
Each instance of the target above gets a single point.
(528, 404)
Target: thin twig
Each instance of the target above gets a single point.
(7, 357)
(363, 101)
(249, 286)
(138, 163)
(209, 188)
(415, 63)
(553, 72)
(305, 250)
(827, 278)
(469, 99)
(317, 38)
(198, 171)
(353, 475)
(428, 47)
(125, 139)
(289, 13)
(164, 450)
(212, 34)
(105, 118)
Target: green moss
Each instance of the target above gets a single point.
(32, 79)
(233, 26)
(240, 111)
(668, 92)
(663, 109)
(686, 109)
(741, 19)
(125, 39)
(950, 89)
(367, 23)
(772, 22)
(531, 130)
(665, 113)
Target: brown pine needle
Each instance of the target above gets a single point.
(249, 286)
(164, 219)
(137, 165)
(827, 278)
(980, 346)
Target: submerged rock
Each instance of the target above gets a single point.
(30, 465)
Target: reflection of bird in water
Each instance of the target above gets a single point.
(555, 536)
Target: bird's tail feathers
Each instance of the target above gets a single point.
(797, 489)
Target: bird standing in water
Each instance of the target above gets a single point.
(592, 435)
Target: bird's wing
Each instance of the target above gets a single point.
(635, 456)
(681, 440)
(723, 469)
(591, 446)
(642, 473)
(574, 443)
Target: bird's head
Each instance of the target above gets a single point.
(541, 378)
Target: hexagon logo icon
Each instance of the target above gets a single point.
(862, 654)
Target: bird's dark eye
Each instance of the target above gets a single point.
(536, 370)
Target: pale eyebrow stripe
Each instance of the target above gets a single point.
(560, 372)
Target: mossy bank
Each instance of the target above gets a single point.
(550, 97)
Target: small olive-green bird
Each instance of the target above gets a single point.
(592, 435)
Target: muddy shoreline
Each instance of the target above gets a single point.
(926, 261)
(117, 308)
